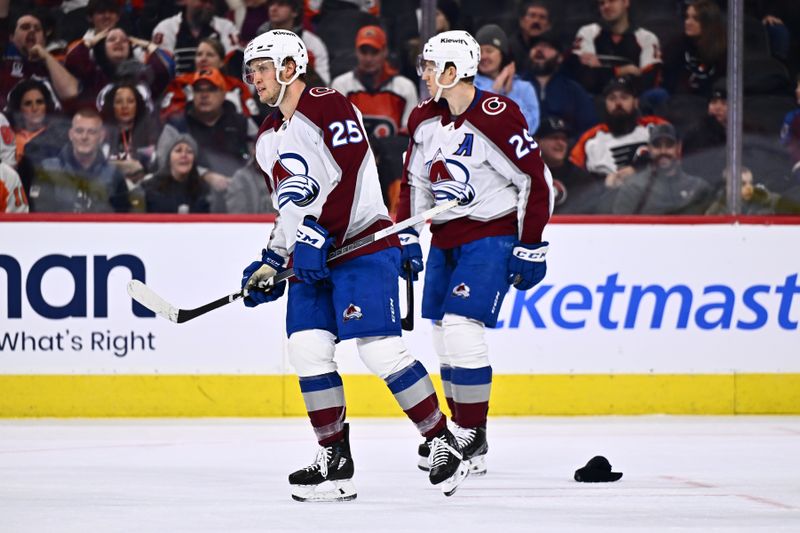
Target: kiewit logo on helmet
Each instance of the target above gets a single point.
(454, 41)
(281, 32)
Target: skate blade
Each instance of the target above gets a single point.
(423, 464)
(329, 491)
(477, 466)
(450, 485)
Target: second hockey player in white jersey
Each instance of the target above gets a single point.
(473, 146)
(322, 176)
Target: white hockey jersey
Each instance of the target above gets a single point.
(489, 149)
(600, 152)
(172, 35)
(319, 163)
(12, 194)
(8, 145)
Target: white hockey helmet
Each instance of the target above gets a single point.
(277, 46)
(457, 47)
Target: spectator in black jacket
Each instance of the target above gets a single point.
(559, 96)
(177, 186)
(40, 132)
(698, 57)
(534, 21)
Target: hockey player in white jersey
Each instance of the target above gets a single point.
(322, 177)
(473, 146)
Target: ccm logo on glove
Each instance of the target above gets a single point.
(310, 236)
(536, 256)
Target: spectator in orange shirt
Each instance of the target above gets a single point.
(210, 54)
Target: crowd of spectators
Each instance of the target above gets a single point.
(139, 105)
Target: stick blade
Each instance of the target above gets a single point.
(145, 296)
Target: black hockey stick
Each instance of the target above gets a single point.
(148, 298)
(407, 322)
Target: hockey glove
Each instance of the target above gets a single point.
(411, 258)
(527, 265)
(311, 251)
(257, 279)
(450, 189)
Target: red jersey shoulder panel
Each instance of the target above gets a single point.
(424, 110)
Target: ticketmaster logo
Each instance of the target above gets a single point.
(612, 305)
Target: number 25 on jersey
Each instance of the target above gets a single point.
(523, 147)
(345, 133)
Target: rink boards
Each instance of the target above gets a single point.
(667, 316)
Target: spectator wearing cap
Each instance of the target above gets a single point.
(112, 56)
(386, 100)
(559, 95)
(210, 54)
(613, 48)
(704, 142)
(663, 188)
(497, 74)
(384, 97)
(80, 179)
(534, 21)
(288, 15)
(24, 55)
(610, 148)
(212, 121)
(577, 191)
(177, 186)
(181, 33)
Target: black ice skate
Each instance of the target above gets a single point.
(330, 477)
(423, 451)
(447, 468)
(473, 446)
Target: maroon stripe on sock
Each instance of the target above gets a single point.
(451, 405)
(326, 417)
(470, 415)
(423, 410)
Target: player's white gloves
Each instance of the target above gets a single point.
(527, 265)
(257, 278)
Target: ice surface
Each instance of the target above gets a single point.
(681, 474)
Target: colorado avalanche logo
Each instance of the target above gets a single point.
(461, 290)
(292, 182)
(353, 312)
(449, 179)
